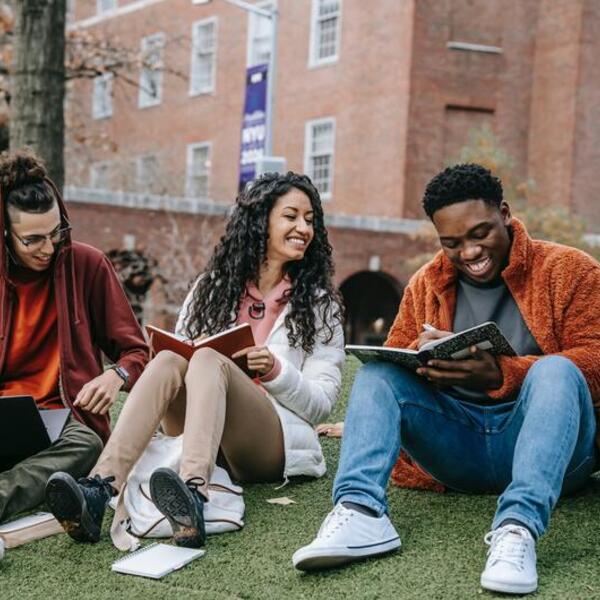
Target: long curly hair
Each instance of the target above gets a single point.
(237, 258)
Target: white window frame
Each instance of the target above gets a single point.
(189, 166)
(195, 90)
(313, 51)
(143, 185)
(100, 6)
(253, 21)
(145, 98)
(94, 171)
(102, 86)
(308, 154)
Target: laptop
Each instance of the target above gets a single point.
(25, 430)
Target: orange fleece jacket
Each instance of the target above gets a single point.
(557, 290)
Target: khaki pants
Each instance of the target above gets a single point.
(22, 486)
(214, 404)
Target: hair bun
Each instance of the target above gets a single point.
(20, 168)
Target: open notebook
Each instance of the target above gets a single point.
(486, 336)
(156, 560)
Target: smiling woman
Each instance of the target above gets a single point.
(272, 269)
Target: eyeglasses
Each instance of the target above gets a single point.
(35, 241)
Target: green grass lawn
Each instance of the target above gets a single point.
(441, 557)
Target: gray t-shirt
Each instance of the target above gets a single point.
(476, 304)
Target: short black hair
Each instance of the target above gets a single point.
(458, 183)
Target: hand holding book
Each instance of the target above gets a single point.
(479, 371)
(259, 359)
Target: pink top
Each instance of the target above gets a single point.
(262, 312)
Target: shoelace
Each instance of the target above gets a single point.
(97, 481)
(334, 521)
(194, 483)
(507, 544)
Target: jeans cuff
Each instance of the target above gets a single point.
(363, 500)
(535, 527)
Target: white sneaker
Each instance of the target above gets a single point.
(346, 535)
(1, 548)
(510, 566)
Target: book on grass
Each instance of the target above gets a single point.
(27, 529)
(156, 560)
(227, 342)
(486, 336)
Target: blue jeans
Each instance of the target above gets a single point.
(529, 450)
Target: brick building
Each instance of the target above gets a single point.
(371, 99)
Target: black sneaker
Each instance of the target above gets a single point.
(182, 504)
(79, 505)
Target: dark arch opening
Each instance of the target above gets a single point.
(372, 300)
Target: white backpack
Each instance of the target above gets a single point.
(136, 516)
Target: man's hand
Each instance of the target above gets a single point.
(432, 334)
(480, 372)
(259, 358)
(99, 394)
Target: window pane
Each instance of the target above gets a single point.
(328, 7)
(199, 171)
(327, 38)
(203, 58)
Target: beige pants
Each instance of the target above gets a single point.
(214, 404)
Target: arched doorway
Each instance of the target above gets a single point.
(371, 300)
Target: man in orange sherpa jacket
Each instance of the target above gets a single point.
(522, 427)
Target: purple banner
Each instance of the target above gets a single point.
(254, 122)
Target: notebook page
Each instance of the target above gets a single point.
(156, 560)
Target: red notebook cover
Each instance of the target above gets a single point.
(226, 343)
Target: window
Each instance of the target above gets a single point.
(204, 44)
(198, 170)
(103, 6)
(319, 149)
(99, 176)
(260, 34)
(325, 31)
(151, 76)
(147, 174)
(102, 96)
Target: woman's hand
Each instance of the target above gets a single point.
(260, 359)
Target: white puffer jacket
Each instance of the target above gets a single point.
(303, 393)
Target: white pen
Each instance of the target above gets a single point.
(428, 327)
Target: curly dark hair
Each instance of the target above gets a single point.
(454, 184)
(238, 256)
(23, 181)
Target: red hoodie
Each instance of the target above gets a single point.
(94, 317)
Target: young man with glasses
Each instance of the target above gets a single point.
(61, 308)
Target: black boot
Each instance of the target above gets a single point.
(182, 504)
(79, 505)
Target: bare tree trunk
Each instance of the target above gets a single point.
(38, 82)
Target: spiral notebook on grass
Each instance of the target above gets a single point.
(227, 342)
(486, 336)
(156, 560)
